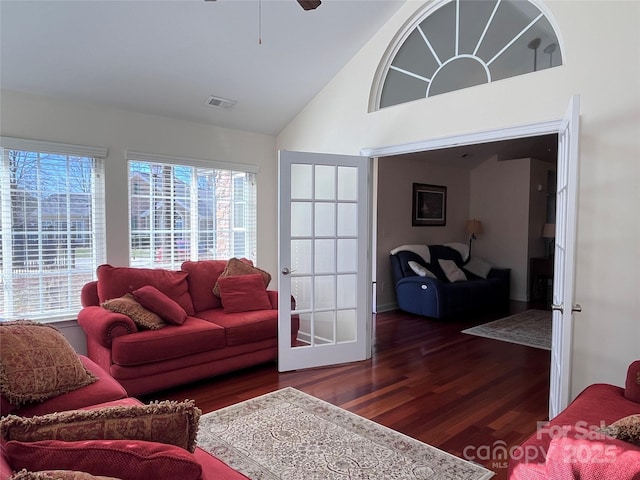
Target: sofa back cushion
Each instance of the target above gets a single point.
(114, 282)
(202, 277)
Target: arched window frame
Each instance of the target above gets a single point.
(412, 23)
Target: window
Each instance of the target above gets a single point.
(462, 43)
(52, 226)
(181, 211)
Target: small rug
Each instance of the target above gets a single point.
(531, 328)
(288, 434)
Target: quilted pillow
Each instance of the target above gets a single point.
(112, 458)
(626, 429)
(128, 306)
(451, 270)
(170, 422)
(243, 294)
(114, 282)
(38, 363)
(57, 475)
(157, 302)
(236, 267)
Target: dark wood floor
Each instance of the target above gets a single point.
(425, 379)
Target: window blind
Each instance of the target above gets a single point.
(181, 211)
(52, 226)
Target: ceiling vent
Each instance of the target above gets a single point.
(220, 102)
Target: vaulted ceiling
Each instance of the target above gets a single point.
(167, 57)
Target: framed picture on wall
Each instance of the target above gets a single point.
(429, 205)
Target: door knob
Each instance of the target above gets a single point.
(286, 271)
(557, 308)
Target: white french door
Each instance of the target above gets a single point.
(324, 212)
(564, 265)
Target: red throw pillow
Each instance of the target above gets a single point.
(111, 458)
(153, 299)
(243, 293)
(632, 385)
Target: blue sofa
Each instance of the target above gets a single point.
(440, 298)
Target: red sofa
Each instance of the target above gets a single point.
(105, 392)
(209, 342)
(570, 446)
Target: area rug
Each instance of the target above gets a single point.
(290, 435)
(531, 328)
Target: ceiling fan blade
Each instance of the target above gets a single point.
(309, 4)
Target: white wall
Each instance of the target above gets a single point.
(604, 68)
(40, 118)
(500, 199)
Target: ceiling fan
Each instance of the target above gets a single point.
(305, 4)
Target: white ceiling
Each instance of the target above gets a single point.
(167, 57)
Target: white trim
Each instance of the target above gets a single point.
(133, 155)
(508, 133)
(13, 143)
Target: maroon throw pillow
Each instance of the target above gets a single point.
(153, 299)
(111, 458)
(632, 385)
(243, 293)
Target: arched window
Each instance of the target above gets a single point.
(457, 44)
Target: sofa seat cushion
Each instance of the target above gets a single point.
(105, 389)
(201, 361)
(173, 341)
(244, 327)
(114, 282)
(203, 276)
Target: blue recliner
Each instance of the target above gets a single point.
(440, 298)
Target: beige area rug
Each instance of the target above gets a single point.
(531, 328)
(288, 434)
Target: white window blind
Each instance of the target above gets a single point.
(183, 210)
(52, 226)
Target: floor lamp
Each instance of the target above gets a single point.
(473, 228)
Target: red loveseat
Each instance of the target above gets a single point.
(107, 392)
(212, 340)
(571, 446)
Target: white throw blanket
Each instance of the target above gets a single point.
(421, 250)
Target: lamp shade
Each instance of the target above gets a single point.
(549, 230)
(473, 227)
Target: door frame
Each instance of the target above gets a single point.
(509, 133)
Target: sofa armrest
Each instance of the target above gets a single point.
(421, 295)
(273, 298)
(103, 325)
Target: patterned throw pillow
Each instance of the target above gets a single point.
(170, 422)
(38, 363)
(236, 267)
(627, 429)
(128, 306)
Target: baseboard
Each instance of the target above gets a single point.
(386, 307)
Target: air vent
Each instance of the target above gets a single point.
(220, 102)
